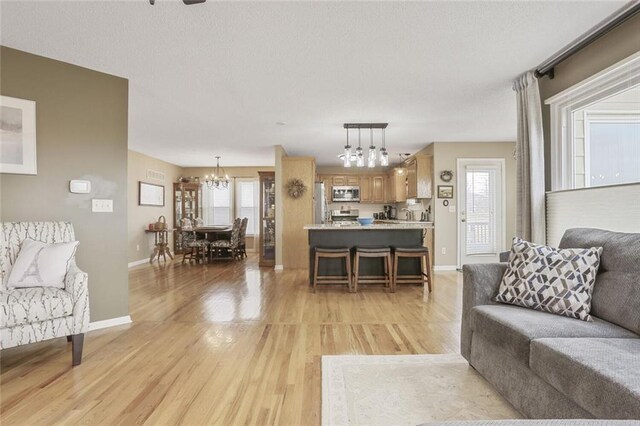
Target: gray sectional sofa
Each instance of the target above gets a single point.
(549, 366)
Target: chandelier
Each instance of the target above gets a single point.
(358, 157)
(217, 180)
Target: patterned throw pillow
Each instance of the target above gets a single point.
(559, 281)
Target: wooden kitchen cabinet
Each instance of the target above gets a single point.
(365, 189)
(338, 180)
(398, 185)
(420, 177)
(352, 180)
(377, 189)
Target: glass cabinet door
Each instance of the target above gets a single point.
(267, 218)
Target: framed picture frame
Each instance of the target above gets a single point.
(150, 194)
(18, 136)
(445, 191)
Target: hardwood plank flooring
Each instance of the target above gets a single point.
(228, 343)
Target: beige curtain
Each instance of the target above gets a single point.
(530, 219)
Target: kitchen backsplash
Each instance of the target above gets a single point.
(367, 210)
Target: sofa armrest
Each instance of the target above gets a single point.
(77, 283)
(480, 284)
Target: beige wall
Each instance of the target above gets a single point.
(81, 119)
(618, 44)
(140, 243)
(280, 154)
(297, 212)
(445, 156)
(237, 172)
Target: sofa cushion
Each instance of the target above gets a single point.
(559, 281)
(600, 375)
(616, 293)
(512, 328)
(28, 305)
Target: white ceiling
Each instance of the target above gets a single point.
(213, 79)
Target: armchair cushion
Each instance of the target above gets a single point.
(29, 305)
(41, 265)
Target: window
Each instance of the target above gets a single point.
(247, 203)
(595, 129)
(216, 206)
(222, 206)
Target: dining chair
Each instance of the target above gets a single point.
(230, 246)
(243, 237)
(193, 248)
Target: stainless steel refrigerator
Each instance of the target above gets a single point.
(319, 203)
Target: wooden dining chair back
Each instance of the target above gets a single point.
(230, 246)
(243, 237)
(192, 248)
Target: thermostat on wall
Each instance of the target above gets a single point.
(80, 186)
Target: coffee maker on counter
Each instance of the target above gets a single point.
(390, 212)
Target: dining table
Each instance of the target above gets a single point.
(213, 233)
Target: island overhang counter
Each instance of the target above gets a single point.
(376, 235)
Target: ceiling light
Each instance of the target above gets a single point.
(218, 179)
(348, 157)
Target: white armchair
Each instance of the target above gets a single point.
(29, 315)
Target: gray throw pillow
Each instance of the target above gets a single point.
(559, 281)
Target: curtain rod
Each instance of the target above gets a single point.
(618, 17)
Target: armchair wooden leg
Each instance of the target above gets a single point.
(68, 338)
(77, 340)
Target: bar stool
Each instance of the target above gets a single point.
(383, 253)
(332, 253)
(425, 266)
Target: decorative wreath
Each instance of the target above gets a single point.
(446, 175)
(296, 188)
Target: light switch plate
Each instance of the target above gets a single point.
(80, 186)
(101, 206)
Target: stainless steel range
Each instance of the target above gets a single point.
(345, 216)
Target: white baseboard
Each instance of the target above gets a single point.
(278, 268)
(112, 322)
(445, 268)
(138, 262)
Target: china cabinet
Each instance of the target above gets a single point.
(186, 204)
(267, 218)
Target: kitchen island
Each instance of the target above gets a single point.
(377, 235)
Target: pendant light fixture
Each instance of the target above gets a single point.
(347, 152)
(371, 161)
(384, 155)
(357, 156)
(359, 153)
(217, 180)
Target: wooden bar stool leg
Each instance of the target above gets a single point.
(387, 282)
(347, 264)
(315, 272)
(389, 268)
(429, 275)
(395, 273)
(356, 272)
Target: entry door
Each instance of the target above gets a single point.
(481, 210)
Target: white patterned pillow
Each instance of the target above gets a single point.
(41, 265)
(559, 281)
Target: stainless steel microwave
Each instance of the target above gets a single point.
(345, 193)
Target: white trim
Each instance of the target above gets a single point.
(278, 268)
(615, 79)
(503, 183)
(112, 322)
(440, 268)
(137, 262)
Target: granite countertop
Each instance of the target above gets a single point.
(358, 227)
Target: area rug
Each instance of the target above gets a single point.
(406, 390)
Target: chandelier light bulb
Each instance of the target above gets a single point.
(359, 157)
(384, 157)
(347, 156)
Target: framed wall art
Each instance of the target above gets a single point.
(17, 136)
(445, 191)
(151, 194)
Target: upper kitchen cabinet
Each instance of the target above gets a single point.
(378, 189)
(366, 194)
(352, 180)
(420, 176)
(398, 185)
(338, 180)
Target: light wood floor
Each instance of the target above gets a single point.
(228, 343)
